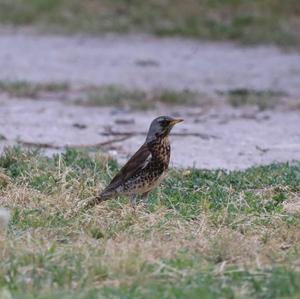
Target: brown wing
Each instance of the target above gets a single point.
(135, 163)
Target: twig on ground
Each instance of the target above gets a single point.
(111, 132)
(58, 147)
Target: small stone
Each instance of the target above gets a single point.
(4, 218)
(79, 126)
(124, 121)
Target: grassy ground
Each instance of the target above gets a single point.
(118, 96)
(262, 99)
(106, 95)
(25, 89)
(203, 234)
(256, 21)
(137, 99)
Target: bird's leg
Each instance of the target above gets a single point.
(144, 196)
(133, 199)
(144, 199)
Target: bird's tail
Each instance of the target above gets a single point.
(97, 200)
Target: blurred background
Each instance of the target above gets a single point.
(93, 74)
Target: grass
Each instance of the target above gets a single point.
(203, 234)
(136, 99)
(25, 89)
(108, 95)
(263, 99)
(116, 96)
(257, 21)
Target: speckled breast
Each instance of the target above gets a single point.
(156, 169)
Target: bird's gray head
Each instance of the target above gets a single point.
(161, 127)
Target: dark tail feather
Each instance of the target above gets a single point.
(97, 200)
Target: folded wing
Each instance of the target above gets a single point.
(137, 162)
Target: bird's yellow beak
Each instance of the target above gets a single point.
(176, 121)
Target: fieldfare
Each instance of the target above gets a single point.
(146, 168)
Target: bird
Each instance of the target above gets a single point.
(146, 168)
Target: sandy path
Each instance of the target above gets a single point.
(236, 139)
(147, 62)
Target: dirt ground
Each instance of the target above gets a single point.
(219, 137)
(147, 62)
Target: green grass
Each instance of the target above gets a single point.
(109, 95)
(279, 282)
(116, 96)
(172, 97)
(25, 89)
(203, 234)
(257, 21)
(263, 99)
(106, 95)
(136, 99)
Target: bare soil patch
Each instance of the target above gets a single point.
(218, 138)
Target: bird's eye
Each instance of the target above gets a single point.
(164, 123)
